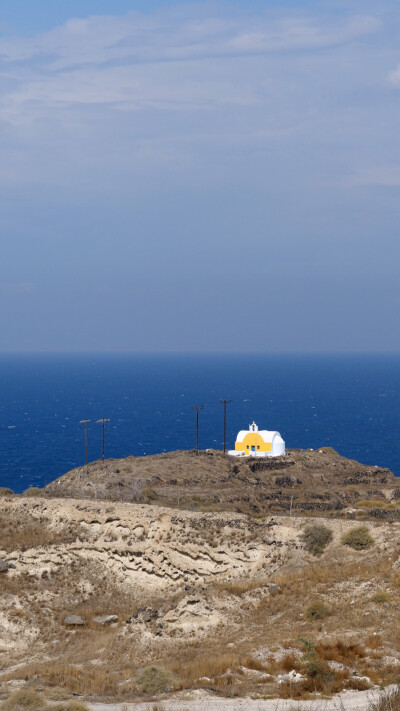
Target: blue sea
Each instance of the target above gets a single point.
(351, 403)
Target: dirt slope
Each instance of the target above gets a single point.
(302, 481)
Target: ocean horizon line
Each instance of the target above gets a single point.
(198, 353)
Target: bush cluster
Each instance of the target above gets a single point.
(154, 679)
(316, 537)
(358, 538)
(30, 700)
(380, 597)
(32, 491)
(317, 610)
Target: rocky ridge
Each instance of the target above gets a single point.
(302, 481)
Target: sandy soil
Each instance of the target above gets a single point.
(350, 701)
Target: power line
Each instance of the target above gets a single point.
(84, 423)
(197, 408)
(225, 403)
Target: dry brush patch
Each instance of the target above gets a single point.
(389, 701)
(22, 531)
(30, 700)
(358, 538)
(316, 538)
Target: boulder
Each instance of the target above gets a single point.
(76, 620)
(3, 566)
(105, 619)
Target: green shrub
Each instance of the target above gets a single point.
(32, 491)
(316, 537)
(149, 494)
(317, 610)
(24, 700)
(313, 666)
(154, 679)
(380, 597)
(358, 538)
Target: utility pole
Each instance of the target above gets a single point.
(225, 403)
(84, 423)
(197, 408)
(103, 420)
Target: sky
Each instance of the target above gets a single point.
(213, 176)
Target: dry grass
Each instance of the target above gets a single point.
(153, 680)
(241, 587)
(380, 597)
(33, 491)
(29, 700)
(215, 669)
(389, 701)
(339, 651)
(24, 700)
(317, 610)
(56, 693)
(5, 491)
(329, 573)
(376, 504)
(23, 532)
(88, 680)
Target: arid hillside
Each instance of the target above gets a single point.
(304, 481)
(123, 600)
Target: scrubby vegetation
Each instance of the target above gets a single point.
(358, 538)
(25, 531)
(317, 610)
(33, 491)
(5, 491)
(29, 700)
(316, 537)
(24, 700)
(389, 701)
(153, 679)
(380, 597)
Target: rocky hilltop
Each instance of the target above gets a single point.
(303, 481)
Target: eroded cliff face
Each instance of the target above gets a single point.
(93, 591)
(302, 481)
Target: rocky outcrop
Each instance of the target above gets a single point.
(302, 481)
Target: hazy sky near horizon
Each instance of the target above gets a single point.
(207, 176)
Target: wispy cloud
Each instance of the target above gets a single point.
(147, 150)
(118, 61)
